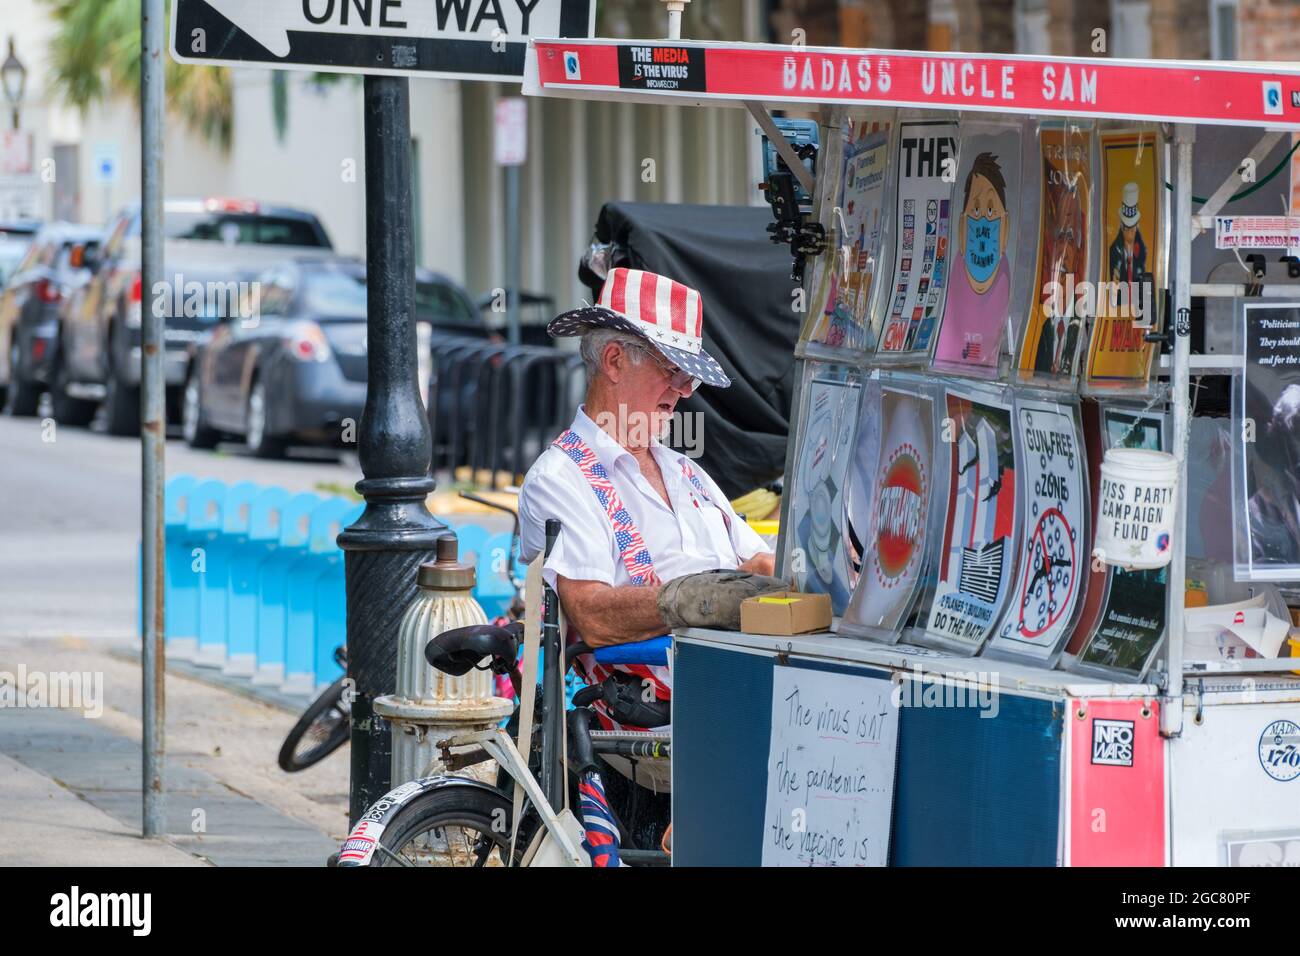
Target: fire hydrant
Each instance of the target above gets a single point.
(429, 705)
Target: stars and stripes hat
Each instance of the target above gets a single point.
(666, 313)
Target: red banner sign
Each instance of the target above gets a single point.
(1040, 86)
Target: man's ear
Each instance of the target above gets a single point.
(614, 362)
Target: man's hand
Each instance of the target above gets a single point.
(603, 614)
(762, 563)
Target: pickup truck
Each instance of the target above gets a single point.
(213, 250)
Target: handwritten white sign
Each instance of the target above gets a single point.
(830, 769)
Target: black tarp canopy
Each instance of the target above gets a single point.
(750, 325)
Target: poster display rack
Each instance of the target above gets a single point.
(1022, 672)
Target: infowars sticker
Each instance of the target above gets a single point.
(664, 68)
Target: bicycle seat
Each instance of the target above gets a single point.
(653, 651)
(457, 651)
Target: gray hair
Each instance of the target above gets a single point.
(592, 347)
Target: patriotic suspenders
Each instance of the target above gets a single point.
(632, 550)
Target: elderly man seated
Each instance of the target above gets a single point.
(634, 514)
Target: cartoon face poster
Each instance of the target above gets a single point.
(985, 222)
(1058, 301)
(895, 546)
(1052, 567)
(1132, 621)
(843, 318)
(819, 563)
(978, 553)
(922, 237)
(1132, 193)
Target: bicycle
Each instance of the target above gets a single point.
(447, 819)
(324, 726)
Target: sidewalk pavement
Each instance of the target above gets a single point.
(70, 781)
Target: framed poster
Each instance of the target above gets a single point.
(1266, 445)
(922, 231)
(974, 565)
(1052, 567)
(988, 214)
(816, 556)
(894, 552)
(1058, 304)
(1094, 591)
(842, 314)
(1131, 624)
(1128, 299)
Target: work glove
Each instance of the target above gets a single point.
(712, 598)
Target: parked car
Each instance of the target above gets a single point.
(298, 373)
(30, 305)
(212, 249)
(16, 237)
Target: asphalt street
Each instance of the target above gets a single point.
(70, 520)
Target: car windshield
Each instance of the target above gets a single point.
(342, 295)
(11, 253)
(242, 228)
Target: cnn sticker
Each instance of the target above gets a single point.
(1112, 742)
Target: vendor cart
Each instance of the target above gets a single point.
(853, 747)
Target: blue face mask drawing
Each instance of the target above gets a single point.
(983, 247)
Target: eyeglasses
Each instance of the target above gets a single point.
(677, 378)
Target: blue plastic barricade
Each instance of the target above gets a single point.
(262, 541)
(332, 604)
(203, 531)
(273, 578)
(300, 602)
(182, 602)
(225, 558)
(494, 589)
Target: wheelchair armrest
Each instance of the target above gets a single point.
(653, 651)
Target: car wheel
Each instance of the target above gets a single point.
(76, 412)
(23, 398)
(197, 434)
(122, 407)
(259, 442)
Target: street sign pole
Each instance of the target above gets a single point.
(396, 532)
(153, 416)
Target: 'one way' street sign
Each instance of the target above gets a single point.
(464, 39)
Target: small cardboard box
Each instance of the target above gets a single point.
(786, 612)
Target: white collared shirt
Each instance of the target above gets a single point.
(689, 537)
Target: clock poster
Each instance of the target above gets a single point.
(1053, 565)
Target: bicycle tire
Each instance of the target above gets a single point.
(484, 810)
(332, 715)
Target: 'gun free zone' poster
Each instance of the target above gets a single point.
(978, 552)
(1052, 566)
(895, 547)
(921, 228)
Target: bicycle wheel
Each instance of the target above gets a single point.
(453, 826)
(322, 729)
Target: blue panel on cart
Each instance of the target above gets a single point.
(722, 711)
(978, 791)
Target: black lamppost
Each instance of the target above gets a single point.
(13, 77)
(396, 533)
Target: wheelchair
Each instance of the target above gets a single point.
(523, 819)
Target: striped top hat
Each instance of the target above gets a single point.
(1128, 206)
(666, 313)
